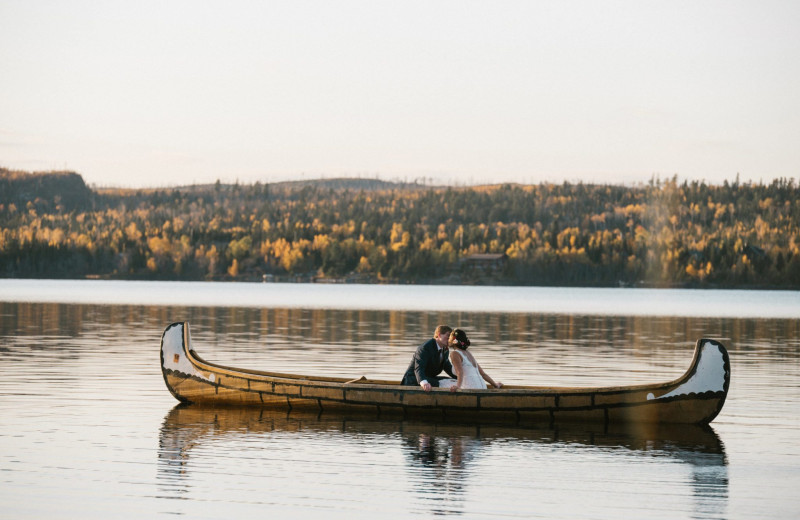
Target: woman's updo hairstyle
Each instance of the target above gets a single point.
(458, 338)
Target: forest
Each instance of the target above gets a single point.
(664, 233)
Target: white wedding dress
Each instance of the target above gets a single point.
(470, 379)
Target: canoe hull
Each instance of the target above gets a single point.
(695, 398)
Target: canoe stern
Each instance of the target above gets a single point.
(698, 396)
(176, 366)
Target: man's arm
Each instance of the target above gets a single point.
(420, 366)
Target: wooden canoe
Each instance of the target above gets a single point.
(694, 398)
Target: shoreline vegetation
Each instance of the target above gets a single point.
(663, 233)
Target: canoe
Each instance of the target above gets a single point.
(694, 398)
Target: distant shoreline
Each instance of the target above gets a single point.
(661, 234)
(440, 283)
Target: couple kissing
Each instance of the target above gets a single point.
(446, 352)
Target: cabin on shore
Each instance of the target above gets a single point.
(486, 264)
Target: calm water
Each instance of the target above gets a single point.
(88, 429)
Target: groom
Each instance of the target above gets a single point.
(429, 360)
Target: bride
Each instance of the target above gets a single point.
(469, 372)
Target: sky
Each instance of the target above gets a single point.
(162, 93)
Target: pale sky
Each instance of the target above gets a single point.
(159, 93)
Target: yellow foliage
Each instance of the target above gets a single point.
(159, 245)
(321, 242)
(239, 249)
(280, 247)
(441, 232)
(83, 240)
(132, 232)
(291, 258)
(397, 232)
(404, 240)
(233, 270)
(427, 245)
(56, 238)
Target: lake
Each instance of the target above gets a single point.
(89, 430)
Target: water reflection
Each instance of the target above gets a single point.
(331, 326)
(68, 415)
(444, 461)
(526, 349)
(439, 464)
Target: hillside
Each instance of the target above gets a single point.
(332, 184)
(50, 190)
(664, 233)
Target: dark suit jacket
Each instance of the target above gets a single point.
(425, 365)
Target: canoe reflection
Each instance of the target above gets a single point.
(440, 455)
